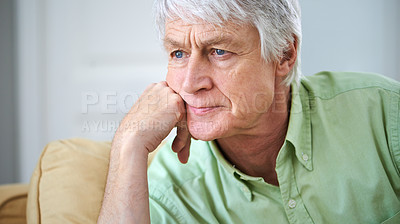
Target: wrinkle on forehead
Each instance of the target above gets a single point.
(200, 34)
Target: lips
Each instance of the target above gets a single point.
(201, 111)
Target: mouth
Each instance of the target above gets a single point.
(201, 111)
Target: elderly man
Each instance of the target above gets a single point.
(271, 147)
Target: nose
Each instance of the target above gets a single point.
(198, 75)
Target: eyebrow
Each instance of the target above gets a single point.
(169, 42)
(217, 40)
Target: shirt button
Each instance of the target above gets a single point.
(305, 157)
(245, 190)
(292, 203)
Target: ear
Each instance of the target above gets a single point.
(288, 59)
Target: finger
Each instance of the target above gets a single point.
(183, 155)
(181, 144)
(181, 138)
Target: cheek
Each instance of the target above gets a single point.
(262, 102)
(251, 102)
(250, 91)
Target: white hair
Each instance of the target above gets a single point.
(278, 22)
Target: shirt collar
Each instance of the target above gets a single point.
(228, 166)
(231, 169)
(299, 129)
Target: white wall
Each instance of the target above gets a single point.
(83, 63)
(351, 35)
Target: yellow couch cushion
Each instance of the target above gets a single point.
(13, 203)
(68, 183)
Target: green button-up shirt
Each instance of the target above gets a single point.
(339, 163)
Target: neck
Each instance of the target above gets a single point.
(255, 154)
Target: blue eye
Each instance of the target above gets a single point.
(178, 54)
(219, 51)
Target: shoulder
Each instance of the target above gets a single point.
(361, 107)
(330, 84)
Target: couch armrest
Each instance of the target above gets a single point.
(13, 203)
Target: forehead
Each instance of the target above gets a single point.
(178, 31)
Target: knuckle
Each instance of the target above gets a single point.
(161, 85)
(177, 98)
(149, 87)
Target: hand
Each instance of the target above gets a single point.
(158, 110)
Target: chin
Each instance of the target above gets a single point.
(207, 131)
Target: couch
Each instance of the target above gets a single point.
(67, 185)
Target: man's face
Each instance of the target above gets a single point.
(220, 73)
